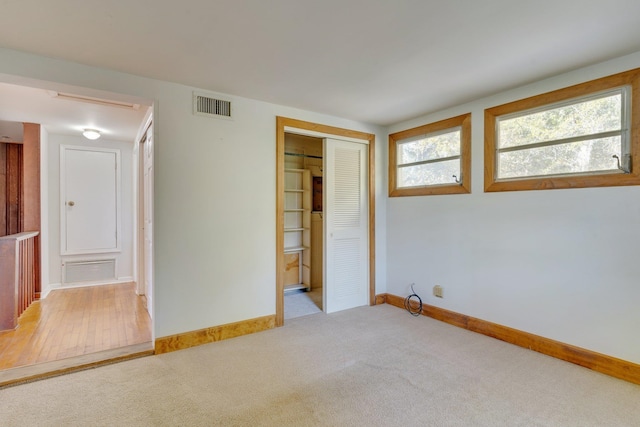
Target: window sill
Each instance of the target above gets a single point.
(430, 190)
(578, 181)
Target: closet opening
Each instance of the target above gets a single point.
(303, 225)
(346, 263)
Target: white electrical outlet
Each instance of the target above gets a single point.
(437, 291)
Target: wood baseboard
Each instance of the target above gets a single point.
(602, 363)
(215, 333)
(380, 299)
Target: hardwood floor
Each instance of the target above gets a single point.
(75, 322)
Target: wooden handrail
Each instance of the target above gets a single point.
(20, 236)
(19, 275)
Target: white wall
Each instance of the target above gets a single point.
(214, 195)
(124, 259)
(562, 264)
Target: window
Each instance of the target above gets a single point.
(431, 159)
(581, 136)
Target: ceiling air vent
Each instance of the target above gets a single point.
(212, 107)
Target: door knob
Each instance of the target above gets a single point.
(71, 203)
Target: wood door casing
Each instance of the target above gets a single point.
(282, 123)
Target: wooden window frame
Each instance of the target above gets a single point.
(491, 184)
(464, 122)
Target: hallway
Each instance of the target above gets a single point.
(76, 322)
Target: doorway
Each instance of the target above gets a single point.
(286, 126)
(303, 225)
(144, 251)
(91, 270)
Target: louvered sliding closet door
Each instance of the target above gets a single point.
(346, 234)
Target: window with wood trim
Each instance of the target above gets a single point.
(431, 159)
(585, 135)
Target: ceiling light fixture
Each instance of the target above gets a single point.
(91, 134)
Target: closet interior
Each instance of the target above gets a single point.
(303, 222)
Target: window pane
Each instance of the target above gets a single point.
(576, 157)
(431, 147)
(584, 118)
(429, 174)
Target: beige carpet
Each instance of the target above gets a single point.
(371, 366)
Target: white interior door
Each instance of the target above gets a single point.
(89, 199)
(148, 220)
(346, 260)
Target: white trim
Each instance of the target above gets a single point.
(46, 289)
(55, 286)
(138, 235)
(67, 261)
(148, 120)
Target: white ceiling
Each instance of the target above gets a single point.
(20, 104)
(377, 61)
